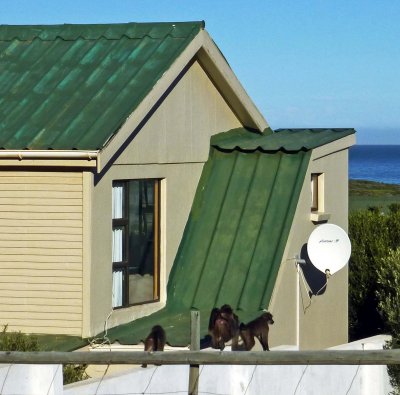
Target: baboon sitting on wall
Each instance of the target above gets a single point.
(223, 326)
(258, 328)
(155, 341)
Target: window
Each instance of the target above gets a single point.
(135, 241)
(315, 192)
(318, 209)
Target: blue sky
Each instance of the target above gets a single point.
(316, 63)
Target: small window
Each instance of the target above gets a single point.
(317, 186)
(135, 242)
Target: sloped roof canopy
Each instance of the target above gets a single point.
(72, 86)
(237, 231)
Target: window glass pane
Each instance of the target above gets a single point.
(118, 200)
(314, 192)
(118, 244)
(117, 289)
(141, 240)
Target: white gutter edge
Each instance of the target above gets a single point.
(50, 154)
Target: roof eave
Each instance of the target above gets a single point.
(216, 66)
(204, 49)
(334, 146)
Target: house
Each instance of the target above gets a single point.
(139, 181)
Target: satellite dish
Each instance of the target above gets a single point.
(329, 248)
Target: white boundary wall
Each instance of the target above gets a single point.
(249, 380)
(31, 380)
(214, 379)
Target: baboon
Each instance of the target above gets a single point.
(258, 328)
(223, 326)
(155, 341)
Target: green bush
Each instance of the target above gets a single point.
(394, 207)
(74, 373)
(388, 277)
(373, 234)
(387, 292)
(374, 278)
(17, 341)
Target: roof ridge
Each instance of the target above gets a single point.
(111, 31)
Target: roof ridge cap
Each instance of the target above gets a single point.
(109, 31)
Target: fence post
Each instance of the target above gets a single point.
(194, 346)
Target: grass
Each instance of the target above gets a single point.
(366, 194)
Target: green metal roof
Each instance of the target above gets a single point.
(60, 342)
(73, 86)
(235, 237)
(289, 140)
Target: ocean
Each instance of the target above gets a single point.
(379, 163)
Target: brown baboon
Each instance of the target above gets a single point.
(258, 328)
(155, 341)
(223, 326)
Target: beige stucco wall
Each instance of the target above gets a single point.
(173, 146)
(324, 322)
(41, 251)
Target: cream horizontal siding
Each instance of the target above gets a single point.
(49, 251)
(14, 308)
(48, 259)
(43, 209)
(41, 265)
(40, 230)
(30, 295)
(43, 244)
(36, 289)
(41, 251)
(35, 277)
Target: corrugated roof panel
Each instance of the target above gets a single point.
(290, 140)
(248, 231)
(222, 239)
(274, 230)
(210, 200)
(221, 280)
(73, 86)
(138, 84)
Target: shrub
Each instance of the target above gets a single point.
(17, 341)
(74, 373)
(388, 277)
(394, 207)
(372, 235)
(387, 292)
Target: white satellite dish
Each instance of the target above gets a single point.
(329, 248)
